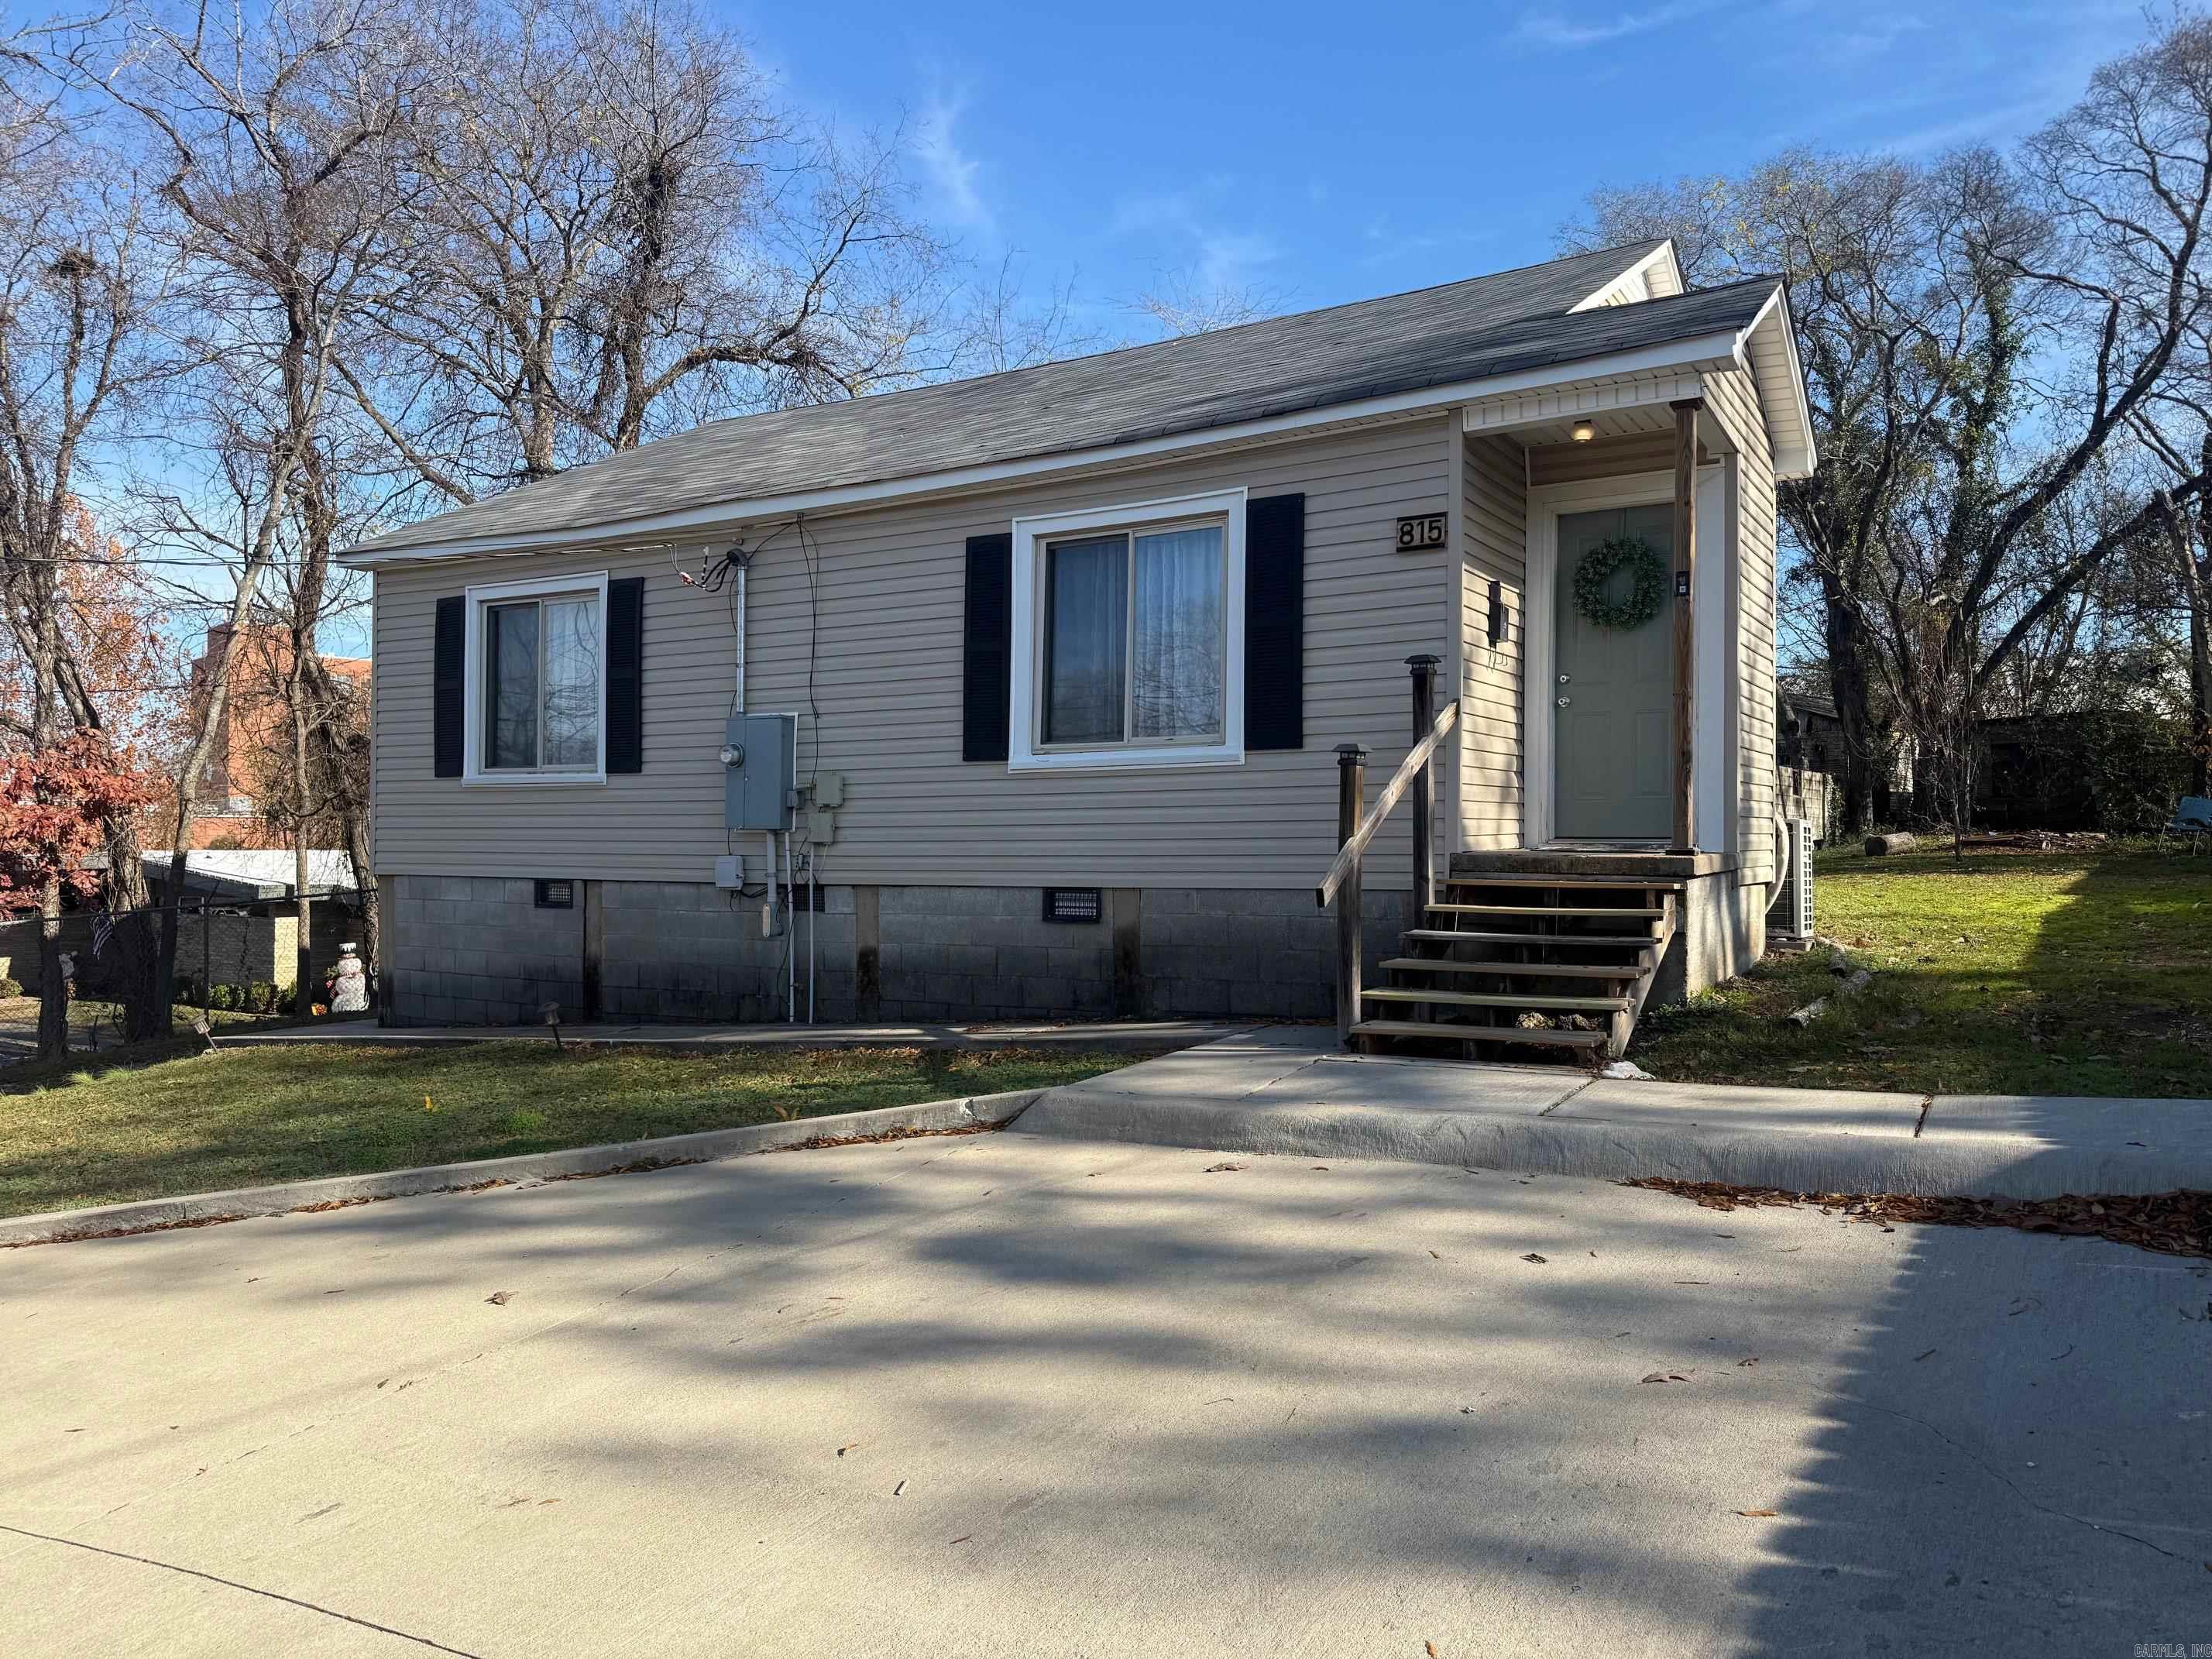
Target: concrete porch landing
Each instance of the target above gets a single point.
(1291, 1090)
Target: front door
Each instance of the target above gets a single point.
(1612, 700)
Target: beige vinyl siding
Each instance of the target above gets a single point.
(1733, 397)
(1494, 516)
(884, 636)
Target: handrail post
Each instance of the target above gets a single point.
(1351, 793)
(1423, 668)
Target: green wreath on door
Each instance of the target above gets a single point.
(1647, 592)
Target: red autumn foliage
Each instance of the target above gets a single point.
(55, 805)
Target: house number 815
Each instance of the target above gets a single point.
(1423, 530)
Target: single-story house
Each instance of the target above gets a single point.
(1022, 696)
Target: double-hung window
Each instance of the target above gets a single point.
(1129, 635)
(537, 685)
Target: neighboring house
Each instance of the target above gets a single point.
(1068, 650)
(2113, 769)
(1812, 741)
(1808, 748)
(254, 731)
(238, 925)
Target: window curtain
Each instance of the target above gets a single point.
(1086, 641)
(1179, 666)
(572, 683)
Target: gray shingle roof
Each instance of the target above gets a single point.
(1513, 320)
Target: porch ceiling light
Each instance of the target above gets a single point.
(1584, 431)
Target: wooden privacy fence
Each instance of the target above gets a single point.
(1354, 830)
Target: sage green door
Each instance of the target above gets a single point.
(1613, 693)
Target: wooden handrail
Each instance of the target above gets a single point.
(1347, 856)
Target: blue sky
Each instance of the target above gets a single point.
(1330, 153)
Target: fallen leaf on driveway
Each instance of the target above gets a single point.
(1754, 1360)
(1434, 1254)
(498, 1298)
(1218, 1168)
(1757, 1515)
(1533, 1257)
(1666, 1376)
(1429, 1648)
(852, 1446)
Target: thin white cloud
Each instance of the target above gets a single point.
(2004, 120)
(1567, 30)
(1221, 254)
(952, 171)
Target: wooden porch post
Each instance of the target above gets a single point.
(1351, 794)
(1423, 668)
(1685, 626)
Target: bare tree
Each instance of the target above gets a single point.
(82, 284)
(1006, 328)
(1980, 337)
(623, 235)
(1183, 302)
(278, 135)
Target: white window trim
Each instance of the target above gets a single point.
(1024, 752)
(473, 770)
(1713, 686)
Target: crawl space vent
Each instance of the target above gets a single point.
(1075, 904)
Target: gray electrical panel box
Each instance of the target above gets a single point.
(760, 764)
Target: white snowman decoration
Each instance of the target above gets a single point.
(349, 986)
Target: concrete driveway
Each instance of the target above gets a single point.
(1007, 1395)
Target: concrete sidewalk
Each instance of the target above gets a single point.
(1115, 1034)
(1292, 1090)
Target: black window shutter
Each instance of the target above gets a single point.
(1275, 622)
(626, 675)
(988, 648)
(447, 678)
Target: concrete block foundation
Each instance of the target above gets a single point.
(477, 949)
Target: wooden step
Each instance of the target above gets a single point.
(1518, 879)
(1418, 1028)
(1497, 1000)
(1643, 942)
(1635, 915)
(1516, 969)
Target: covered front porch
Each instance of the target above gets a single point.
(1595, 749)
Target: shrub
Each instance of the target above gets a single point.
(224, 997)
(185, 989)
(10, 985)
(260, 997)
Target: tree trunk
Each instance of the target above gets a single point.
(1847, 683)
(53, 989)
(303, 968)
(137, 945)
(2197, 591)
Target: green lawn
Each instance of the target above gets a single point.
(101, 1130)
(2057, 973)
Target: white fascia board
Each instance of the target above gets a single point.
(1796, 454)
(1701, 351)
(1661, 257)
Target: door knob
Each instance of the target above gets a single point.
(1563, 701)
(1562, 679)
